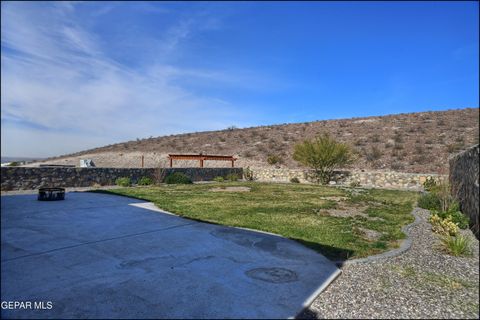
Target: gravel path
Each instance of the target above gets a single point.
(420, 283)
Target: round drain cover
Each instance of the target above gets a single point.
(274, 275)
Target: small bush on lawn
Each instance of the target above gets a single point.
(443, 226)
(323, 154)
(218, 179)
(294, 180)
(457, 246)
(177, 178)
(429, 201)
(232, 177)
(123, 182)
(145, 181)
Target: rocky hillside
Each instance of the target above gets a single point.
(413, 142)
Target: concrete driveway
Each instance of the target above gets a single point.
(103, 256)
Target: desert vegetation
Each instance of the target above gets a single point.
(446, 218)
(323, 154)
(414, 142)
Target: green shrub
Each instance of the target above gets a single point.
(444, 227)
(294, 180)
(430, 184)
(457, 246)
(454, 213)
(232, 177)
(177, 178)
(218, 179)
(123, 181)
(273, 159)
(460, 219)
(145, 181)
(323, 154)
(14, 164)
(429, 201)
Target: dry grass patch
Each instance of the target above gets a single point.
(230, 189)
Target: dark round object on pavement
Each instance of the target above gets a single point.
(51, 194)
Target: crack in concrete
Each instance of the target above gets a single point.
(208, 258)
(96, 241)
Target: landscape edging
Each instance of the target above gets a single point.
(404, 246)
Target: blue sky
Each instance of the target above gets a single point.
(86, 74)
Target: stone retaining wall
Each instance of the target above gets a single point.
(374, 179)
(23, 178)
(463, 178)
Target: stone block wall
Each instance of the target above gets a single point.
(27, 178)
(23, 178)
(464, 171)
(374, 179)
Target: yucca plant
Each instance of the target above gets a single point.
(457, 246)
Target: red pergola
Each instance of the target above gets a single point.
(200, 157)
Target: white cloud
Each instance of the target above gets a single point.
(56, 76)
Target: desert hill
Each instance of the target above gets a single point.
(413, 142)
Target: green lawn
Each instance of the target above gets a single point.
(337, 222)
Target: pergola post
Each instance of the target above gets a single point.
(171, 162)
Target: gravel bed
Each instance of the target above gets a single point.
(423, 282)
